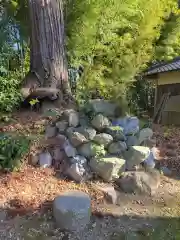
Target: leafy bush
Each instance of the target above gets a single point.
(10, 96)
(12, 149)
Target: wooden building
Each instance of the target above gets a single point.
(166, 77)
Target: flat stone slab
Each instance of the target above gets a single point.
(72, 210)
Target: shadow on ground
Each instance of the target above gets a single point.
(39, 224)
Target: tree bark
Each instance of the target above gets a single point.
(48, 63)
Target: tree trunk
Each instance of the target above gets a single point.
(48, 63)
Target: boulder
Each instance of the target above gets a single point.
(130, 125)
(166, 171)
(116, 132)
(69, 149)
(111, 195)
(72, 210)
(69, 131)
(50, 131)
(62, 126)
(136, 155)
(103, 139)
(77, 139)
(117, 148)
(75, 172)
(78, 170)
(72, 117)
(88, 132)
(131, 141)
(45, 159)
(140, 182)
(105, 107)
(149, 161)
(144, 134)
(108, 168)
(90, 150)
(100, 122)
(58, 154)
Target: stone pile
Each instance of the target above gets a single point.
(99, 142)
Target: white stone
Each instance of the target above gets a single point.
(72, 210)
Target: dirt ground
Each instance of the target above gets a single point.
(26, 197)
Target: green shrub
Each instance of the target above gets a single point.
(10, 96)
(12, 149)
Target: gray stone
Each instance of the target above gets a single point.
(117, 147)
(91, 150)
(88, 132)
(50, 131)
(75, 172)
(140, 182)
(62, 126)
(149, 161)
(103, 106)
(72, 117)
(69, 131)
(72, 210)
(58, 154)
(108, 168)
(78, 170)
(132, 141)
(166, 171)
(77, 139)
(69, 150)
(103, 139)
(136, 155)
(100, 122)
(79, 159)
(144, 134)
(111, 195)
(45, 159)
(116, 132)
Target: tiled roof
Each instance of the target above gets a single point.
(164, 67)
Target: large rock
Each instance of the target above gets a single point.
(72, 117)
(110, 194)
(103, 139)
(130, 125)
(117, 147)
(69, 149)
(136, 155)
(140, 182)
(116, 132)
(62, 126)
(102, 106)
(90, 150)
(100, 122)
(132, 141)
(78, 170)
(108, 168)
(77, 139)
(88, 132)
(144, 134)
(72, 210)
(50, 131)
(45, 159)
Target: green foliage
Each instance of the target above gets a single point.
(99, 150)
(12, 149)
(168, 45)
(10, 96)
(115, 40)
